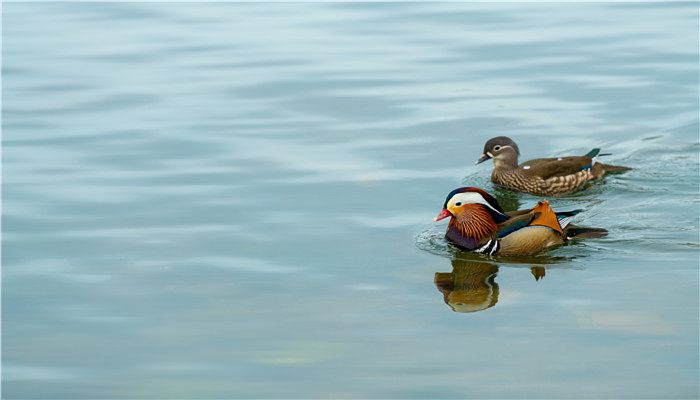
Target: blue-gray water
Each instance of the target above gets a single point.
(236, 200)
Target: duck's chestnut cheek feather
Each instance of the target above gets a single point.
(443, 214)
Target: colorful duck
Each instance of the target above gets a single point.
(479, 224)
(542, 176)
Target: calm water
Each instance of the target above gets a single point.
(221, 200)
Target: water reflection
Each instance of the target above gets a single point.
(471, 286)
(538, 272)
(508, 200)
(135, 158)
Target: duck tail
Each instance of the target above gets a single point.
(574, 232)
(592, 153)
(614, 168)
(600, 168)
(564, 214)
(565, 217)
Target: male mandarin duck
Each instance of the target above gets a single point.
(542, 176)
(479, 224)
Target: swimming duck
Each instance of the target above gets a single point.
(479, 224)
(542, 176)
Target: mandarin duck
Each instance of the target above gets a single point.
(542, 176)
(479, 224)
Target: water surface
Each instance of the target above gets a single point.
(236, 200)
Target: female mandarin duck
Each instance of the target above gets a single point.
(543, 176)
(479, 224)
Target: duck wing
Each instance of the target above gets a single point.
(561, 215)
(543, 229)
(515, 223)
(546, 168)
(540, 215)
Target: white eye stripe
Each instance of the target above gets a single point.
(499, 147)
(471, 198)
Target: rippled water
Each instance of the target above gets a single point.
(235, 200)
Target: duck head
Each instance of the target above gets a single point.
(462, 200)
(474, 215)
(502, 150)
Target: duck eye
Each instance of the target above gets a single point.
(459, 203)
(496, 147)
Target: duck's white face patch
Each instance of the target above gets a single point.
(469, 198)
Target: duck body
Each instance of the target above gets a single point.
(478, 224)
(542, 176)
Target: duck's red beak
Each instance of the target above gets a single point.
(443, 214)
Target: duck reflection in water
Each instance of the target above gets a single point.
(471, 286)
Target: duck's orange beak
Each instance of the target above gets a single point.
(443, 214)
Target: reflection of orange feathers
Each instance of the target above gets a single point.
(547, 217)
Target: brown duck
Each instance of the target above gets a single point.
(479, 224)
(542, 176)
